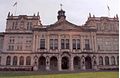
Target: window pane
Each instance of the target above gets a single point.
(106, 60)
(51, 44)
(78, 43)
(42, 43)
(15, 60)
(21, 60)
(74, 43)
(62, 44)
(67, 43)
(28, 60)
(8, 60)
(117, 60)
(87, 45)
(100, 60)
(113, 60)
(56, 43)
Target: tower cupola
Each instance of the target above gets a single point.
(61, 13)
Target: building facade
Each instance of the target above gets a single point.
(26, 44)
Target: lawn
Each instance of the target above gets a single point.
(67, 75)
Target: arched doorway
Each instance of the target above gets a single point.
(65, 63)
(76, 63)
(88, 62)
(53, 63)
(42, 63)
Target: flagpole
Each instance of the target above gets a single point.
(15, 10)
(108, 10)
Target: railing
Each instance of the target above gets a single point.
(16, 68)
(64, 50)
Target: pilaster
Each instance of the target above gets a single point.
(59, 64)
(71, 64)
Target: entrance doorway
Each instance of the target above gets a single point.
(88, 62)
(76, 63)
(65, 63)
(42, 63)
(53, 63)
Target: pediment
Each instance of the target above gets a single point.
(63, 26)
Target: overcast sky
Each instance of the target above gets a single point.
(76, 10)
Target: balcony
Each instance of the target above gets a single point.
(76, 50)
(41, 50)
(65, 50)
(53, 50)
(87, 50)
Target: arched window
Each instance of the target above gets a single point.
(113, 60)
(8, 60)
(28, 60)
(106, 60)
(117, 60)
(21, 62)
(100, 60)
(15, 60)
(0, 60)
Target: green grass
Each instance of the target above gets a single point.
(69, 75)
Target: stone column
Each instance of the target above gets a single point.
(11, 62)
(116, 62)
(110, 63)
(35, 64)
(59, 42)
(47, 64)
(6, 39)
(36, 44)
(91, 41)
(103, 60)
(59, 64)
(71, 43)
(95, 43)
(94, 64)
(71, 64)
(82, 44)
(25, 61)
(83, 64)
(47, 42)
(18, 60)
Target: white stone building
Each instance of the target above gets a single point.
(26, 44)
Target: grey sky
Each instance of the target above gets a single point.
(76, 10)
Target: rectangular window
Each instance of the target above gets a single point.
(67, 43)
(56, 43)
(51, 44)
(87, 45)
(42, 43)
(78, 43)
(62, 44)
(11, 41)
(11, 47)
(74, 44)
